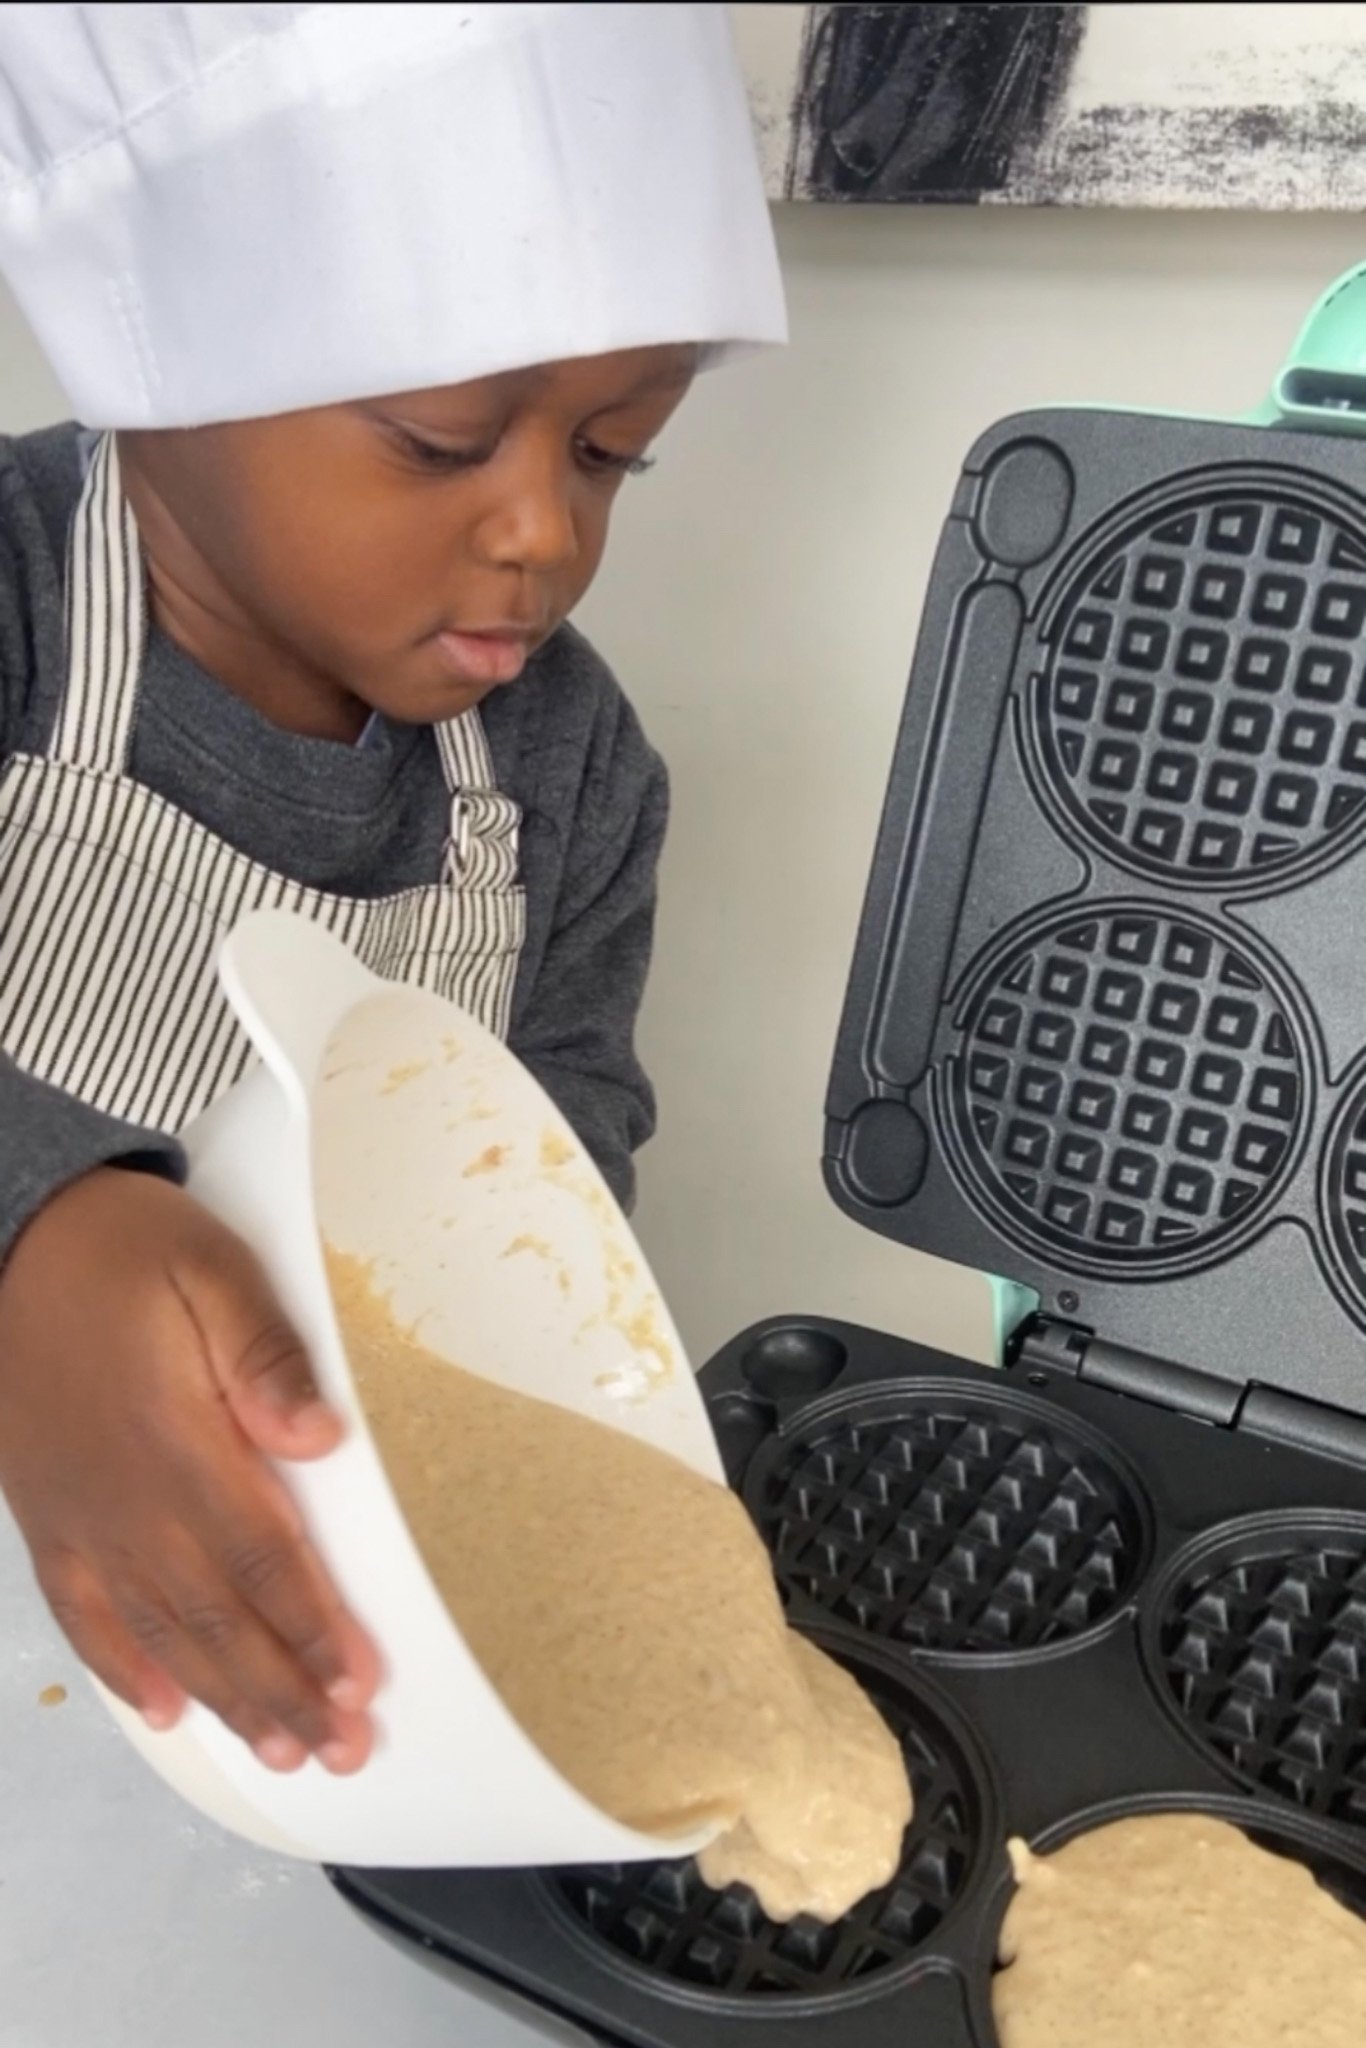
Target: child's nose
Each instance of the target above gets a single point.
(531, 525)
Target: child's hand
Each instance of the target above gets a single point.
(144, 1365)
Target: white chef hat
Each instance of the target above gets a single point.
(222, 212)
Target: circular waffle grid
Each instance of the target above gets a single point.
(1202, 712)
(1345, 1193)
(963, 1528)
(1265, 1659)
(667, 1921)
(1129, 1088)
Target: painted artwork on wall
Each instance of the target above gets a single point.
(1200, 105)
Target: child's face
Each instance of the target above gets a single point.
(405, 554)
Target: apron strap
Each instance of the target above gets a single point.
(106, 622)
(481, 851)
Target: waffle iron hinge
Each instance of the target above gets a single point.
(1308, 1425)
(1045, 1344)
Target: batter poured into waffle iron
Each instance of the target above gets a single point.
(1176, 1931)
(624, 1607)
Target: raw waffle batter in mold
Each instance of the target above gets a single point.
(1129, 1086)
(1176, 1931)
(666, 1918)
(1201, 710)
(1263, 1652)
(962, 1526)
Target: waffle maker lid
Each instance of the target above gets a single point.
(1105, 1030)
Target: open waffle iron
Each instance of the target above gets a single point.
(1106, 1033)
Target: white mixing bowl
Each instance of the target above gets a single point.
(388, 1122)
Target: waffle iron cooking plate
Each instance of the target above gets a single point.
(1105, 1034)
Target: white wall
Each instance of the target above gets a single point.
(29, 394)
(760, 601)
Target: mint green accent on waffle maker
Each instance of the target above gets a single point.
(1323, 382)
(1011, 1305)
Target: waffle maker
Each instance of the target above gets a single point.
(1105, 1034)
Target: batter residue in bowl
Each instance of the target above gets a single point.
(625, 1609)
(1176, 1931)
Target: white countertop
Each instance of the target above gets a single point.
(127, 1921)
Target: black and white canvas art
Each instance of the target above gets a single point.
(1204, 105)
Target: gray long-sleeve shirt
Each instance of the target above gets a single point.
(362, 821)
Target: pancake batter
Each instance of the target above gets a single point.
(1175, 1931)
(625, 1609)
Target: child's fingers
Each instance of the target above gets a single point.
(356, 1688)
(287, 1585)
(178, 1563)
(256, 1357)
(103, 1644)
(254, 1535)
(193, 1627)
(251, 1527)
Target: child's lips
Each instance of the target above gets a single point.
(487, 658)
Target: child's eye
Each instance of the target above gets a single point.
(605, 463)
(431, 455)
(434, 458)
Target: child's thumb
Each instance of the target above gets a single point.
(260, 1364)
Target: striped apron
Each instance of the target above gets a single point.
(113, 903)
